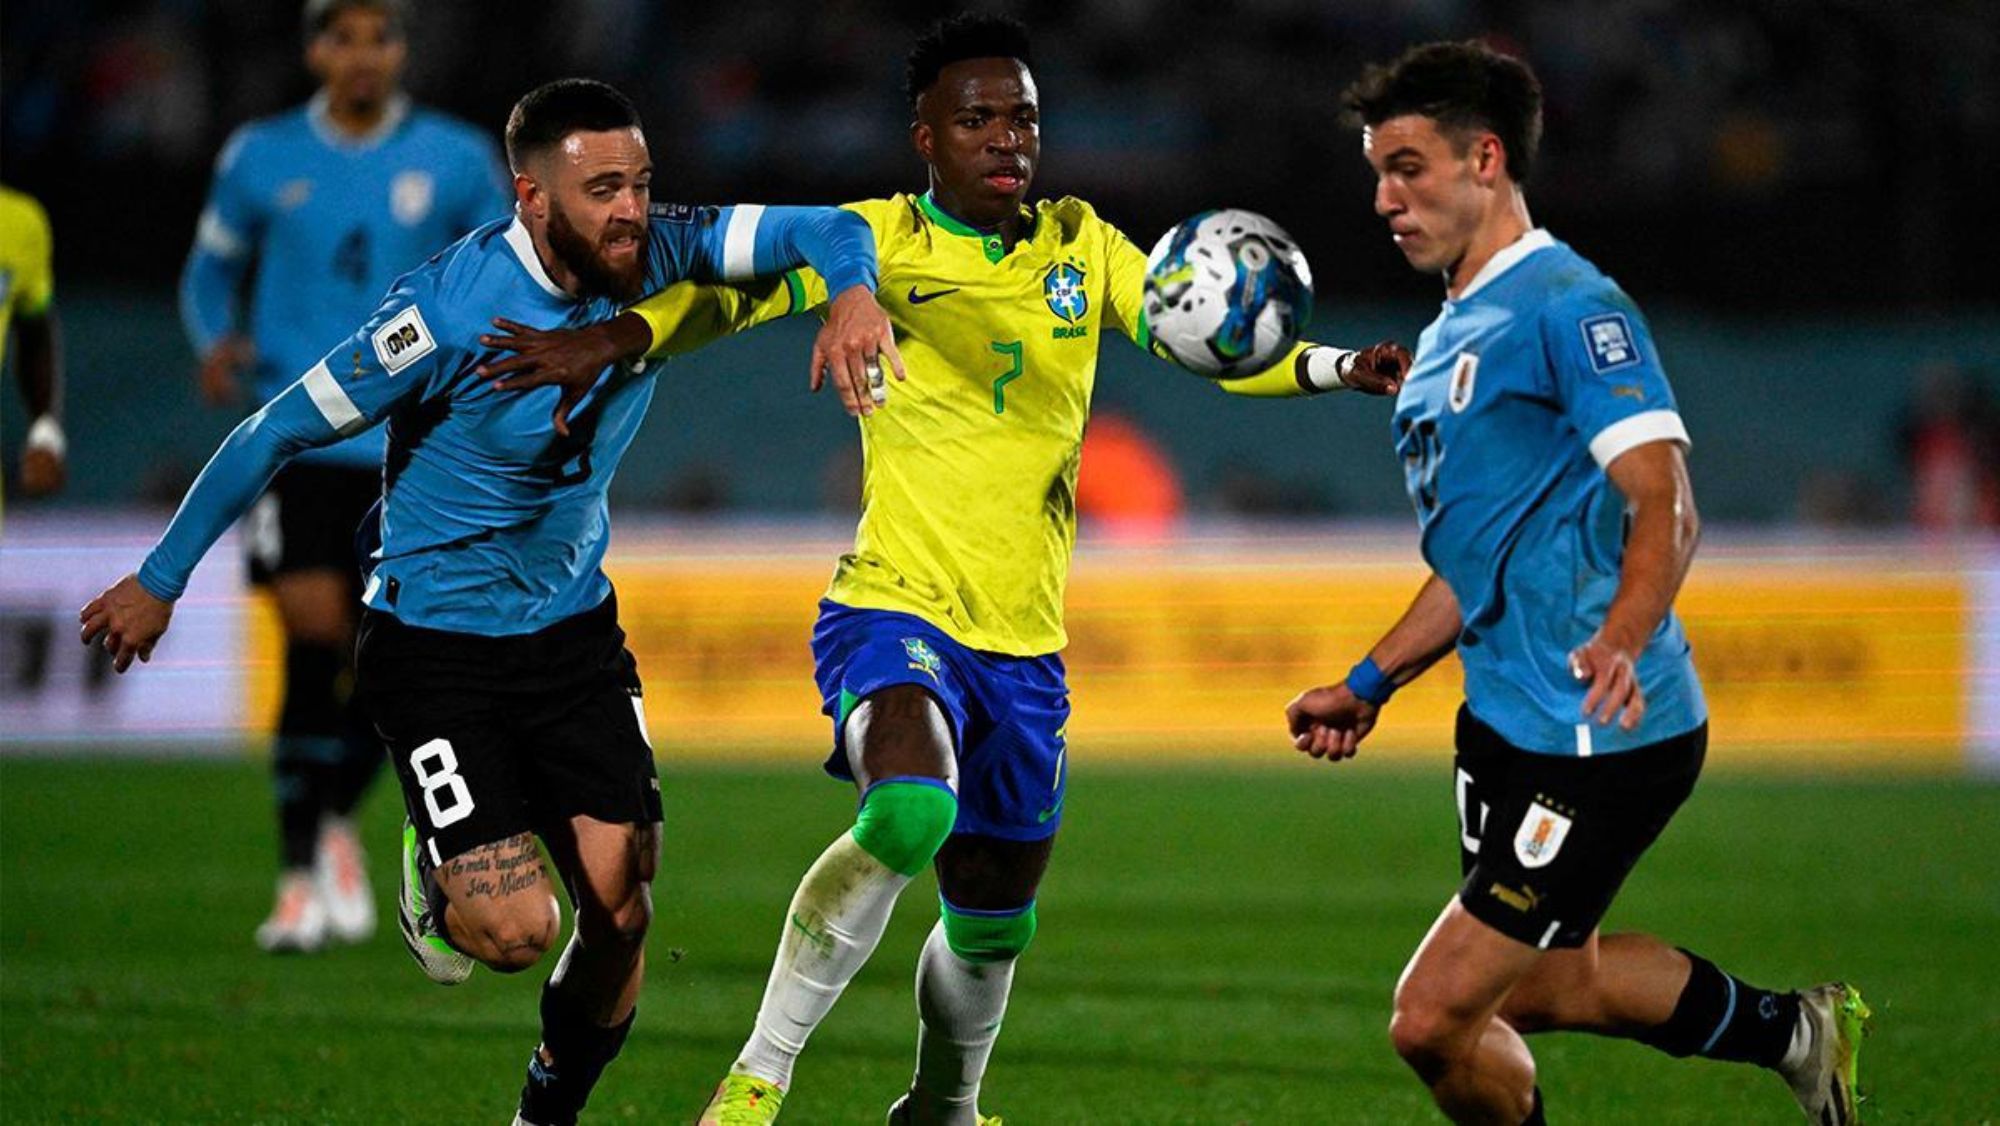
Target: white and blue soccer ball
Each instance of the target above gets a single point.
(1227, 293)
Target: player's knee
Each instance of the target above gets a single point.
(512, 940)
(986, 937)
(1420, 1038)
(1426, 1034)
(905, 820)
(312, 703)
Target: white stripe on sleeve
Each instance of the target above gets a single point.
(333, 403)
(216, 236)
(739, 242)
(1626, 433)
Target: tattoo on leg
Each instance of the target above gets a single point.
(496, 870)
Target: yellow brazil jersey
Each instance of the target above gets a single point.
(26, 282)
(968, 496)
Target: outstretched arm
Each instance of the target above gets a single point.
(1313, 369)
(1308, 369)
(1330, 721)
(129, 617)
(318, 410)
(678, 319)
(750, 241)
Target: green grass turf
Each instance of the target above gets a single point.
(1215, 948)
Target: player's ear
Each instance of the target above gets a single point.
(316, 57)
(1489, 158)
(923, 139)
(528, 195)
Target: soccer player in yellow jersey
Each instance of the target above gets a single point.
(27, 307)
(938, 640)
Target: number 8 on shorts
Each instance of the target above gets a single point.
(436, 767)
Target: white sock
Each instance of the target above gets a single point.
(1801, 1045)
(960, 1004)
(835, 920)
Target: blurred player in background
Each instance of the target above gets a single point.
(938, 643)
(1546, 461)
(490, 656)
(312, 214)
(27, 308)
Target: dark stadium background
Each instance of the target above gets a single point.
(1794, 191)
(1799, 194)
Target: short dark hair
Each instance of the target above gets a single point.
(1462, 86)
(554, 110)
(320, 15)
(971, 35)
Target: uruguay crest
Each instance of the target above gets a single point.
(1464, 375)
(410, 196)
(1062, 288)
(1540, 836)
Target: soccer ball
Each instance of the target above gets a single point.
(1226, 293)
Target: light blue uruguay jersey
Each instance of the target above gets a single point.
(327, 221)
(490, 523)
(1531, 381)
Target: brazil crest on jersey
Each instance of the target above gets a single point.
(1532, 380)
(328, 221)
(490, 522)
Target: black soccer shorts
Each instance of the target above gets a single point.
(496, 736)
(1545, 841)
(306, 520)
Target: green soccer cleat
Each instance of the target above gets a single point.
(1828, 1082)
(743, 1100)
(434, 955)
(899, 1115)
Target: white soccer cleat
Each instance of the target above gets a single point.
(433, 954)
(297, 924)
(1827, 1082)
(340, 869)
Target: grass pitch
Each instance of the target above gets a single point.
(1216, 947)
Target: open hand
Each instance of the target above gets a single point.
(1329, 722)
(569, 358)
(851, 348)
(127, 621)
(42, 472)
(1614, 683)
(220, 386)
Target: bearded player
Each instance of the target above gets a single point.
(490, 657)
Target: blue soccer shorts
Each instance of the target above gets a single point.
(1007, 714)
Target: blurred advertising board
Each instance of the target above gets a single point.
(1812, 650)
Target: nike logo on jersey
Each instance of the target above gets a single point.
(919, 298)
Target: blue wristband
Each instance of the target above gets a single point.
(1368, 683)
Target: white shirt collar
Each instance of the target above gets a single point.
(523, 246)
(322, 123)
(1506, 259)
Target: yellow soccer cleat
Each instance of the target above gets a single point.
(743, 1100)
(1827, 1082)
